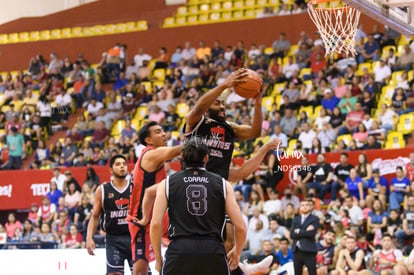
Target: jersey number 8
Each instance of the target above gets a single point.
(196, 199)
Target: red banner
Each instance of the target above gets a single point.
(19, 189)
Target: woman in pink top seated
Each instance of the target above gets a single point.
(12, 224)
(361, 135)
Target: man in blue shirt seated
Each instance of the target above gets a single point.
(400, 186)
(330, 101)
(377, 188)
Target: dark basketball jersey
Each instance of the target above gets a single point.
(143, 180)
(219, 137)
(115, 204)
(196, 204)
(325, 255)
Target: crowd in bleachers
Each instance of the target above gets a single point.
(311, 103)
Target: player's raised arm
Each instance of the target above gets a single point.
(204, 102)
(160, 206)
(246, 132)
(156, 157)
(250, 165)
(93, 221)
(233, 210)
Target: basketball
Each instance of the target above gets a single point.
(251, 87)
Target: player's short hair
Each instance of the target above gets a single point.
(114, 158)
(144, 132)
(194, 152)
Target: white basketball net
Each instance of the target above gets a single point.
(337, 27)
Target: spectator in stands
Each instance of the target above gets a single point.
(372, 143)
(28, 234)
(12, 224)
(347, 103)
(62, 224)
(306, 136)
(382, 73)
(69, 152)
(322, 178)
(354, 185)
(377, 222)
(370, 50)
(128, 106)
(72, 199)
(406, 60)
(289, 123)
(46, 237)
(273, 205)
(17, 149)
(353, 118)
(350, 258)
(54, 193)
(83, 214)
(80, 160)
(73, 239)
(304, 176)
(281, 46)
(58, 178)
(400, 185)
(278, 134)
(409, 167)
(399, 101)
(289, 198)
(100, 135)
(386, 117)
(364, 169)
(329, 101)
(70, 179)
(254, 201)
(377, 188)
(255, 237)
(46, 212)
(290, 68)
(407, 232)
(86, 150)
(141, 56)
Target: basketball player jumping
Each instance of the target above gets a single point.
(197, 201)
(111, 202)
(149, 170)
(219, 134)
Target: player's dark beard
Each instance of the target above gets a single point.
(213, 114)
(119, 176)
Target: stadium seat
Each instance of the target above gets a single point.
(181, 21)
(66, 33)
(239, 4)
(261, 139)
(44, 35)
(55, 34)
(141, 112)
(406, 123)
(2, 132)
(120, 27)
(387, 91)
(24, 37)
(192, 20)
(176, 135)
(317, 110)
(404, 40)
(278, 88)
(98, 30)
(88, 31)
(182, 109)
(395, 76)
(216, 6)
(268, 102)
(136, 123)
(109, 28)
(227, 16)
(395, 140)
(192, 9)
(305, 72)
(204, 8)
(147, 85)
(345, 138)
(293, 49)
(169, 22)
(309, 111)
(215, 17)
(250, 13)
(292, 144)
(227, 5)
(130, 26)
(182, 11)
(158, 84)
(261, 3)
(159, 74)
(4, 38)
(278, 100)
(203, 18)
(386, 49)
(13, 38)
(117, 128)
(237, 15)
(77, 32)
(142, 25)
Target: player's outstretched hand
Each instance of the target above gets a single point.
(235, 78)
(90, 245)
(158, 265)
(142, 222)
(233, 259)
(273, 144)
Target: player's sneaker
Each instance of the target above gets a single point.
(262, 266)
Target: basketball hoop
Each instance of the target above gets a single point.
(337, 26)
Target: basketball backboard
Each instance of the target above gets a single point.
(396, 14)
